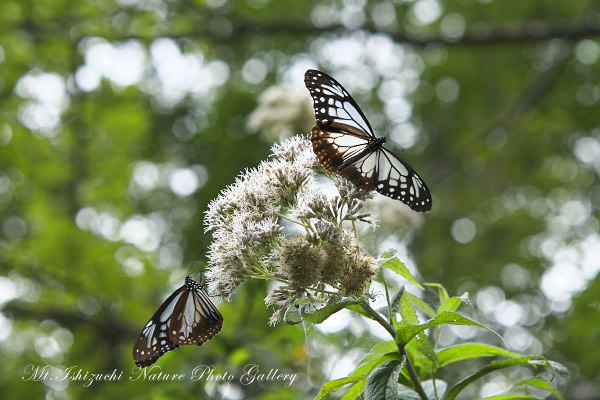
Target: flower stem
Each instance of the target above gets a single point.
(387, 297)
(269, 277)
(409, 367)
(289, 219)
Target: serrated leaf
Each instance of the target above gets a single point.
(382, 383)
(466, 351)
(540, 384)
(395, 304)
(325, 312)
(335, 385)
(394, 264)
(406, 333)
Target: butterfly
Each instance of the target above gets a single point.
(186, 317)
(344, 143)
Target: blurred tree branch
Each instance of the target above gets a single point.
(105, 324)
(479, 34)
(234, 28)
(534, 93)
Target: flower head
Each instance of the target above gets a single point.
(250, 223)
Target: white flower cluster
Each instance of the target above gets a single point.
(250, 242)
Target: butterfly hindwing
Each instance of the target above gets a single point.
(334, 149)
(187, 317)
(396, 179)
(345, 144)
(196, 319)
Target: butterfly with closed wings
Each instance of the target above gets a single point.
(187, 317)
(344, 143)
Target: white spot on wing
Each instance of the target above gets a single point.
(150, 334)
(369, 164)
(169, 310)
(350, 141)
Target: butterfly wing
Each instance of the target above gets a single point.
(335, 109)
(335, 150)
(154, 340)
(344, 143)
(186, 317)
(394, 178)
(195, 318)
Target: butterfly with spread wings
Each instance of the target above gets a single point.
(186, 317)
(344, 143)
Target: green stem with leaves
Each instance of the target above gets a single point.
(388, 327)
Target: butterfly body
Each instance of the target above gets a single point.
(344, 143)
(186, 317)
(371, 147)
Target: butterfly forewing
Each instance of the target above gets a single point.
(154, 339)
(345, 144)
(187, 317)
(334, 108)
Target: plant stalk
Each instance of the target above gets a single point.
(388, 327)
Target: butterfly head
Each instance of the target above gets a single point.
(191, 284)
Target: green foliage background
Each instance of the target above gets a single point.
(504, 96)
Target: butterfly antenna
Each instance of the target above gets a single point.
(194, 263)
(386, 135)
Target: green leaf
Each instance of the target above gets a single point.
(382, 383)
(325, 312)
(442, 292)
(495, 366)
(421, 352)
(335, 385)
(368, 367)
(513, 397)
(453, 303)
(292, 316)
(357, 308)
(406, 333)
(355, 390)
(434, 389)
(421, 305)
(466, 351)
(540, 384)
(394, 264)
(408, 312)
(559, 368)
(406, 393)
(396, 305)
(377, 352)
